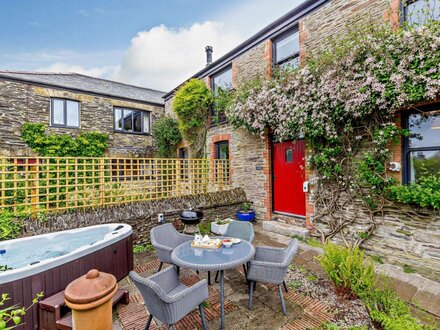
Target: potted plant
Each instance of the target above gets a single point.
(220, 227)
(246, 213)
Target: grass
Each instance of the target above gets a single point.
(408, 269)
(294, 284)
(377, 259)
(310, 241)
(143, 248)
(312, 277)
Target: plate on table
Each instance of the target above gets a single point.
(235, 240)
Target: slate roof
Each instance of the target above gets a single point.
(83, 83)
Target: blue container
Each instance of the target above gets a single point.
(248, 216)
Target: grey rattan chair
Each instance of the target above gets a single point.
(165, 238)
(270, 266)
(243, 230)
(167, 299)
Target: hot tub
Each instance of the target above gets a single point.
(50, 262)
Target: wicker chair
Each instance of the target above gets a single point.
(165, 238)
(167, 299)
(240, 229)
(270, 266)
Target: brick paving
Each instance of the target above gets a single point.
(302, 312)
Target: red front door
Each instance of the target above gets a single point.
(289, 176)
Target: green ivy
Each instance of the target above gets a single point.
(89, 144)
(11, 225)
(425, 192)
(167, 136)
(191, 104)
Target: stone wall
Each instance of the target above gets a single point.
(407, 237)
(252, 64)
(143, 216)
(332, 20)
(20, 103)
(249, 165)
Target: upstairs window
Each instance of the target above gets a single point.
(418, 11)
(64, 113)
(422, 147)
(220, 82)
(286, 50)
(132, 121)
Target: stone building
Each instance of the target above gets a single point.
(275, 175)
(70, 103)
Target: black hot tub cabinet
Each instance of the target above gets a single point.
(108, 248)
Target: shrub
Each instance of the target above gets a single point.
(10, 226)
(390, 312)
(167, 135)
(347, 269)
(192, 103)
(89, 144)
(425, 192)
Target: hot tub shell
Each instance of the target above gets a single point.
(112, 255)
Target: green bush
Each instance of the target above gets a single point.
(11, 317)
(390, 312)
(353, 275)
(347, 269)
(10, 225)
(192, 104)
(425, 192)
(89, 144)
(167, 135)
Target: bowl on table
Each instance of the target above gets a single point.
(227, 243)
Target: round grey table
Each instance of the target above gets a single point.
(214, 260)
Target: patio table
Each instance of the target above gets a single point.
(214, 260)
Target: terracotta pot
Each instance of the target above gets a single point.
(90, 298)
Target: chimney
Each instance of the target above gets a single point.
(208, 50)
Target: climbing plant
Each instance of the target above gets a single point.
(167, 136)
(344, 102)
(89, 144)
(192, 103)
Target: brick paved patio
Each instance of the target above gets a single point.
(302, 312)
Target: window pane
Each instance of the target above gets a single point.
(222, 150)
(424, 129)
(290, 64)
(137, 118)
(418, 11)
(424, 163)
(72, 113)
(223, 81)
(58, 112)
(128, 120)
(118, 119)
(146, 122)
(289, 155)
(287, 47)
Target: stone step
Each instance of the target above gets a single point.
(285, 229)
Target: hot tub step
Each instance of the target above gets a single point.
(65, 323)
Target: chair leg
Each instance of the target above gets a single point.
(160, 267)
(171, 327)
(178, 270)
(216, 277)
(202, 316)
(251, 293)
(209, 278)
(282, 299)
(245, 270)
(150, 318)
(285, 286)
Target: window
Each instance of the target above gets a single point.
(286, 50)
(64, 113)
(222, 150)
(221, 81)
(132, 121)
(422, 147)
(417, 11)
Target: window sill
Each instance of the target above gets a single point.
(62, 126)
(131, 133)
